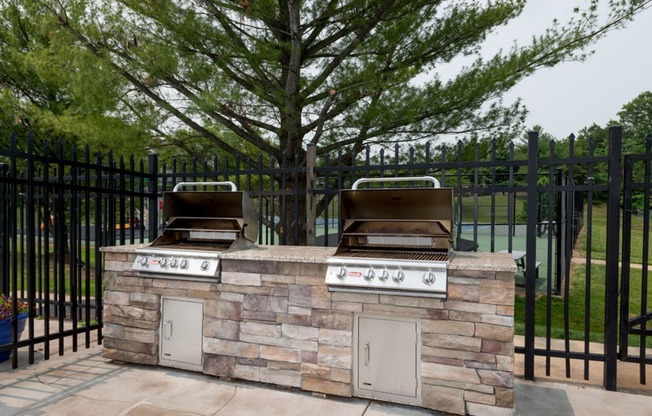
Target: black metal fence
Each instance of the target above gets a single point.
(550, 206)
(58, 209)
(635, 288)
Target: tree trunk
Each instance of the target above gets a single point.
(292, 227)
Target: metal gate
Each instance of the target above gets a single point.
(57, 209)
(635, 291)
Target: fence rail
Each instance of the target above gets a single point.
(59, 208)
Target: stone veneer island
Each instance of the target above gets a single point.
(272, 320)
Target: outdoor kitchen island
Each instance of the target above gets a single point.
(272, 320)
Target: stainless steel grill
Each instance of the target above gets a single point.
(199, 225)
(394, 240)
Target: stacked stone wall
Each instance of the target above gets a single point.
(274, 321)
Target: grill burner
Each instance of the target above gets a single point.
(393, 240)
(199, 226)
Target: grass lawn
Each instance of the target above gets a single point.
(589, 286)
(638, 236)
(54, 277)
(578, 308)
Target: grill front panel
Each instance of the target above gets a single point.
(401, 276)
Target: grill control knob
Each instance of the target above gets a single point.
(398, 277)
(429, 278)
(369, 275)
(204, 265)
(384, 275)
(163, 262)
(183, 264)
(174, 262)
(144, 261)
(341, 273)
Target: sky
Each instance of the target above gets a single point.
(573, 95)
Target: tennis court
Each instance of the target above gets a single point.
(497, 238)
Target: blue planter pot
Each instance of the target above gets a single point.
(6, 332)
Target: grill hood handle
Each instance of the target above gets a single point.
(434, 181)
(226, 183)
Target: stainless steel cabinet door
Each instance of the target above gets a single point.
(387, 356)
(181, 331)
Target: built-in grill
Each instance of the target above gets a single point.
(199, 226)
(394, 240)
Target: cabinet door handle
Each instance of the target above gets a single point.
(366, 353)
(168, 323)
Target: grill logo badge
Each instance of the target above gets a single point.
(355, 274)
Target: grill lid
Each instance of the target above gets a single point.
(224, 219)
(396, 218)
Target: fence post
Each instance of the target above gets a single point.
(311, 207)
(531, 249)
(612, 254)
(626, 251)
(29, 234)
(152, 203)
(560, 231)
(4, 270)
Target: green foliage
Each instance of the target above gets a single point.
(636, 119)
(279, 75)
(269, 77)
(52, 87)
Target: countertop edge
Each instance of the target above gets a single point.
(460, 260)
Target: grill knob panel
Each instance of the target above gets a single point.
(398, 276)
(184, 264)
(204, 265)
(384, 275)
(369, 275)
(429, 278)
(341, 273)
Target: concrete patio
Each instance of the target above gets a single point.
(84, 383)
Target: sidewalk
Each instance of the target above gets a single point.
(83, 383)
